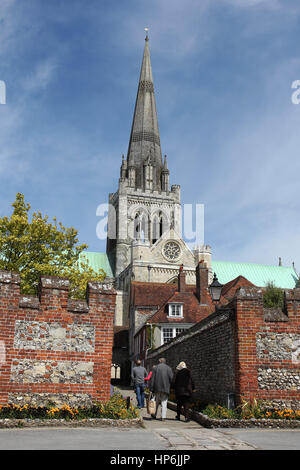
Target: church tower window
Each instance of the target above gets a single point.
(172, 251)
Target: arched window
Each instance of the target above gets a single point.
(141, 226)
(115, 371)
(159, 226)
(137, 227)
(155, 229)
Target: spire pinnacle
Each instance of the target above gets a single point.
(144, 131)
(165, 163)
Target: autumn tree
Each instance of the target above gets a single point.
(39, 247)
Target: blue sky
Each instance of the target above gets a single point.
(223, 71)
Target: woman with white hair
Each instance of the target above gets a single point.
(184, 387)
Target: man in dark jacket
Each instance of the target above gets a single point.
(161, 380)
(184, 387)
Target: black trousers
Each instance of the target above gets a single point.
(183, 401)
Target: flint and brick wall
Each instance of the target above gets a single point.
(243, 349)
(268, 349)
(53, 348)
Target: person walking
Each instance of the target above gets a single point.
(138, 378)
(184, 387)
(160, 383)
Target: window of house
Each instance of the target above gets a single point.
(168, 333)
(178, 331)
(175, 310)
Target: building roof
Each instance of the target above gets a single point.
(226, 271)
(160, 295)
(98, 261)
(259, 274)
(151, 294)
(193, 312)
(229, 289)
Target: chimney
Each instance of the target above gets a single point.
(181, 280)
(202, 282)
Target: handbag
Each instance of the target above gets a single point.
(151, 405)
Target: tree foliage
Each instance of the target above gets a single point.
(39, 247)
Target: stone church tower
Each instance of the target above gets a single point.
(144, 220)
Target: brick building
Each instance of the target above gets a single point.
(161, 312)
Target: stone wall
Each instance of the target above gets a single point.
(208, 350)
(268, 349)
(243, 349)
(53, 348)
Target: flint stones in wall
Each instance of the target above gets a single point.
(53, 336)
(278, 379)
(63, 372)
(43, 399)
(278, 346)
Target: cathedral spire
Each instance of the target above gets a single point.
(144, 137)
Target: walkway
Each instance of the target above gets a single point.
(179, 435)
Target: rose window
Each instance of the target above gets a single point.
(171, 251)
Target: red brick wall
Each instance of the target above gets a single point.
(267, 349)
(52, 346)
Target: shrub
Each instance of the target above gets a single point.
(219, 412)
(273, 297)
(251, 409)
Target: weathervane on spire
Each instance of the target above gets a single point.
(146, 29)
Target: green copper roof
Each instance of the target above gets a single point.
(259, 274)
(98, 261)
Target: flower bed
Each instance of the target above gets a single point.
(247, 415)
(112, 411)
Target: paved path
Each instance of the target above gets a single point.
(179, 435)
(192, 436)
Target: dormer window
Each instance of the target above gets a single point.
(175, 310)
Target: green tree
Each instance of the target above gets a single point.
(39, 247)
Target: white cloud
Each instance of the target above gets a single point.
(41, 77)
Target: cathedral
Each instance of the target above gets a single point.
(144, 240)
(162, 284)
